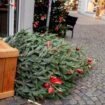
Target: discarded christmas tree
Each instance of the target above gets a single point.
(47, 65)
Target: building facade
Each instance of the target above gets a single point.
(95, 8)
(15, 15)
(92, 8)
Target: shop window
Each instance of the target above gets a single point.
(97, 7)
(71, 5)
(92, 5)
(101, 8)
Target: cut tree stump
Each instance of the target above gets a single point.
(8, 62)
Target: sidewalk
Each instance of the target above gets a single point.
(90, 34)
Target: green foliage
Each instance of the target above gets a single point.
(42, 57)
(57, 19)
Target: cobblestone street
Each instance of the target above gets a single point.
(90, 34)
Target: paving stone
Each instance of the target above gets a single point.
(66, 102)
(76, 91)
(89, 94)
(90, 102)
(98, 103)
(102, 99)
(81, 102)
(97, 93)
(94, 98)
(2, 103)
(73, 102)
(103, 95)
(78, 98)
(103, 90)
(50, 102)
(58, 102)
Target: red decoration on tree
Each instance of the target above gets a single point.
(46, 85)
(55, 80)
(36, 24)
(77, 49)
(80, 71)
(69, 72)
(90, 61)
(49, 44)
(61, 19)
(50, 90)
(60, 93)
(43, 17)
(57, 28)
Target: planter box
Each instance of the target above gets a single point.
(8, 62)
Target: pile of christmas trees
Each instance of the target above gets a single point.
(47, 65)
(57, 18)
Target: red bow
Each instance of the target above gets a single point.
(50, 90)
(49, 44)
(90, 61)
(80, 71)
(55, 80)
(46, 85)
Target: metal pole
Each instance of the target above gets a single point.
(49, 14)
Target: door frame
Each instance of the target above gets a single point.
(11, 18)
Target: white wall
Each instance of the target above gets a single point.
(26, 12)
(82, 7)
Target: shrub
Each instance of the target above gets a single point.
(57, 19)
(47, 65)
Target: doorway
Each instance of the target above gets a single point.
(8, 17)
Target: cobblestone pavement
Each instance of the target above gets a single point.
(89, 33)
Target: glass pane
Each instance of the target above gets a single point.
(3, 18)
(92, 5)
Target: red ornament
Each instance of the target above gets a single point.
(69, 72)
(50, 90)
(46, 85)
(57, 28)
(49, 44)
(60, 19)
(36, 24)
(77, 49)
(60, 93)
(43, 17)
(80, 71)
(55, 80)
(90, 61)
